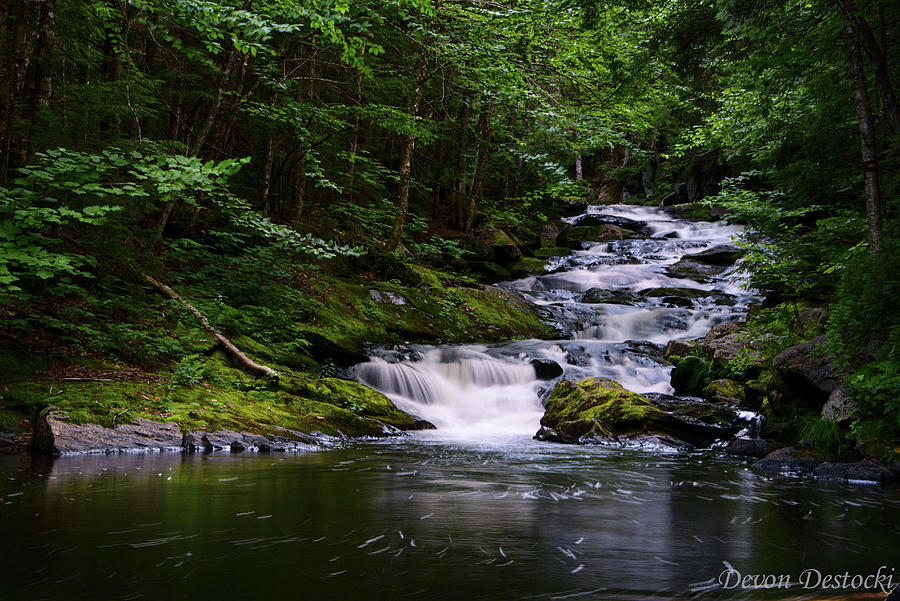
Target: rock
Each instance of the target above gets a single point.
(492, 244)
(807, 372)
(387, 298)
(722, 255)
(680, 348)
(570, 209)
(323, 349)
(592, 233)
(546, 369)
(724, 342)
(785, 461)
(724, 391)
(237, 442)
(754, 394)
(56, 435)
(526, 266)
(867, 470)
(690, 376)
(547, 233)
(609, 297)
(601, 410)
(552, 251)
(694, 270)
(622, 223)
(840, 407)
(682, 292)
(749, 447)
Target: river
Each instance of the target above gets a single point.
(476, 509)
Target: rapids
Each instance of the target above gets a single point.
(478, 391)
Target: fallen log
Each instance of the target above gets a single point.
(245, 362)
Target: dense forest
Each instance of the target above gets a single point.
(215, 195)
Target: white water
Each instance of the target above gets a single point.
(479, 391)
(461, 390)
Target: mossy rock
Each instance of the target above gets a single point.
(724, 391)
(552, 251)
(687, 268)
(598, 233)
(591, 409)
(526, 266)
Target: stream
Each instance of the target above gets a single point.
(476, 509)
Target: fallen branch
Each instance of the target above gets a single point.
(246, 363)
(88, 380)
(118, 415)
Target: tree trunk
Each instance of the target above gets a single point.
(16, 56)
(871, 170)
(459, 191)
(406, 158)
(875, 52)
(579, 168)
(200, 138)
(484, 142)
(243, 361)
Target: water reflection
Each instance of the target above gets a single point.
(425, 517)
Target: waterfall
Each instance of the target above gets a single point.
(461, 390)
(482, 391)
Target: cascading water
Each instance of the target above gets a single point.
(615, 304)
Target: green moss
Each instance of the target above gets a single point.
(525, 266)
(552, 251)
(598, 233)
(725, 391)
(595, 404)
(17, 365)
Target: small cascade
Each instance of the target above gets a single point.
(615, 305)
(460, 389)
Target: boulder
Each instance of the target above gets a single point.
(609, 297)
(786, 461)
(57, 435)
(749, 447)
(570, 209)
(840, 407)
(694, 270)
(623, 223)
(724, 391)
(867, 470)
(592, 233)
(722, 255)
(546, 369)
(680, 347)
(807, 371)
(725, 342)
(494, 245)
(598, 410)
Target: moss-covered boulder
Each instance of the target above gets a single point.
(526, 266)
(599, 410)
(552, 251)
(724, 391)
(609, 297)
(595, 408)
(593, 233)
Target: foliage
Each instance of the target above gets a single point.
(823, 434)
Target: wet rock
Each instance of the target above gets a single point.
(601, 410)
(623, 223)
(786, 461)
(609, 297)
(722, 255)
(680, 347)
(546, 369)
(749, 447)
(574, 236)
(56, 435)
(237, 442)
(694, 270)
(840, 407)
(867, 470)
(724, 391)
(807, 371)
(725, 342)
